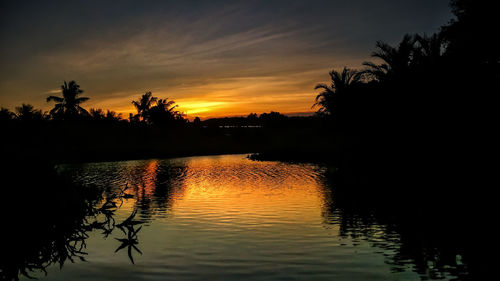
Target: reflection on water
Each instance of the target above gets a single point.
(229, 218)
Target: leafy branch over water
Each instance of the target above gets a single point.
(64, 227)
(128, 228)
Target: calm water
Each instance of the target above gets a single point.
(230, 218)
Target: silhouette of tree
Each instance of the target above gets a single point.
(430, 49)
(252, 119)
(197, 122)
(272, 119)
(113, 116)
(100, 115)
(273, 115)
(396, 60)
(164, 113)
(68, 106)
(470, 37)
(96, 114)
(6, 115)
(134, 118)
(61, 236)
(252, 116)
(144, 104)
(341, 82)
(166, 105)
(27, 113)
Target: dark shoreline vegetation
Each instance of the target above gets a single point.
(61, 216)
(404, 136)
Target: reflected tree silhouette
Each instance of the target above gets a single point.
(155, 186)
(428, 237)
(130, 242)
(69, 213)
(399, 122)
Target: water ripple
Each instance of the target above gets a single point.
(228, 218)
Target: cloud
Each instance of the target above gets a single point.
(226, 57)
(52, 92)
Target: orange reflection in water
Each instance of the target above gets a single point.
(232, 188)
(147, 180)
(230, 191)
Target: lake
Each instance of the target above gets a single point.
(231, 218)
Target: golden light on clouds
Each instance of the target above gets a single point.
(212, 60)
(231, 74)
(288, 93)
(200, 107)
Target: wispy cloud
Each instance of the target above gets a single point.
(212, 57)
(51, 92)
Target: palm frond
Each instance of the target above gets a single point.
(321, 86)
(54, 98)
(80, 100)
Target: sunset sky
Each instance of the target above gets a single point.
(214, 58)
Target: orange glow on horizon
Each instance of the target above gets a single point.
(207, 109)
(225, 97)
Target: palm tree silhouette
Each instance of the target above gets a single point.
(96, 113)
(113, 116)
(167, 106)
(396, 60)
(68, 106)
(144, 104)
(341, 83)
(164, 112)
(430, 49)
(26, 112)
(6, 114)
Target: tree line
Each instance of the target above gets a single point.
(428, 92)
(437, 87)
(68, 107)
(151, 110)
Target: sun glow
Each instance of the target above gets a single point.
(194, 107)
